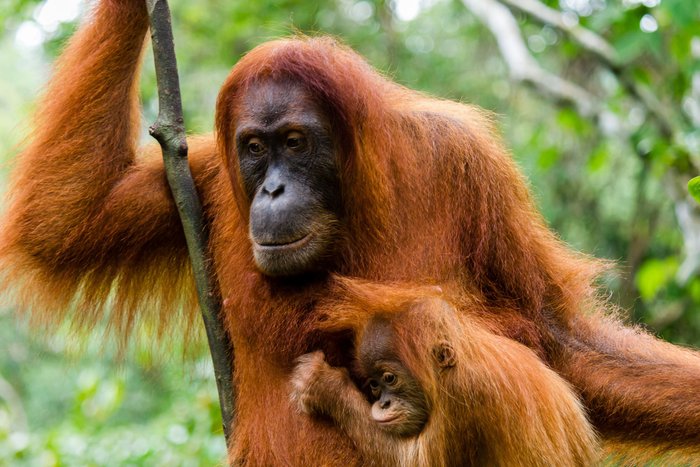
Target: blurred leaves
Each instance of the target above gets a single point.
(694, 188)
(601, 184)
(654, 275)
(92, 411)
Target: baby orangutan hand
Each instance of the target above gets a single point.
(316, 386)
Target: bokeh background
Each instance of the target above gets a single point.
(598, 99)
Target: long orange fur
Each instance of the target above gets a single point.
(498, 405)
(431, 196)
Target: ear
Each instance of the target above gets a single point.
(444, 355)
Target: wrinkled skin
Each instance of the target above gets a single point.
(289, 168)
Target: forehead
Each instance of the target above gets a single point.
(268, 102)
(377, 341)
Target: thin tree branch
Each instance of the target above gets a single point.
(687, 211)
(604, 52)
(169, 130)
(523, 67)
(582, 36)
(500, 21)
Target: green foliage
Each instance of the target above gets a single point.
(694, 188)
(91, 410)
(654, 275)
(602, 184)
(11, 10)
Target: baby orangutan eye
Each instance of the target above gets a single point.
(374, 387)
(389, 378)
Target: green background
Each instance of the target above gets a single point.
(612, 183)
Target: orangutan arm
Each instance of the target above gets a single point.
(643, 394)
(319, 389)
(87, 215)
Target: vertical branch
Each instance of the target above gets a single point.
(169, 130)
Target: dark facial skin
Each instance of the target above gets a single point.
(399, 404)
(289, 167)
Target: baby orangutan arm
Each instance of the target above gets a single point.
(319, 389)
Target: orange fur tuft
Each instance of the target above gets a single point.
(430, 197)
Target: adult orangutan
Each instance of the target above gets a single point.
(319, 164)
(439, 387)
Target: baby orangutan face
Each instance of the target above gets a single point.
(399, 405)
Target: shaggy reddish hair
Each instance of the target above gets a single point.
(494, 403)
(408, 160)
(430, 196)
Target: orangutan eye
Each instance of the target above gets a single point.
(374, 388)
(255, 146)
(389, 378)
(295, 140)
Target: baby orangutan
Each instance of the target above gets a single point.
(438, 388)
(399, 404)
